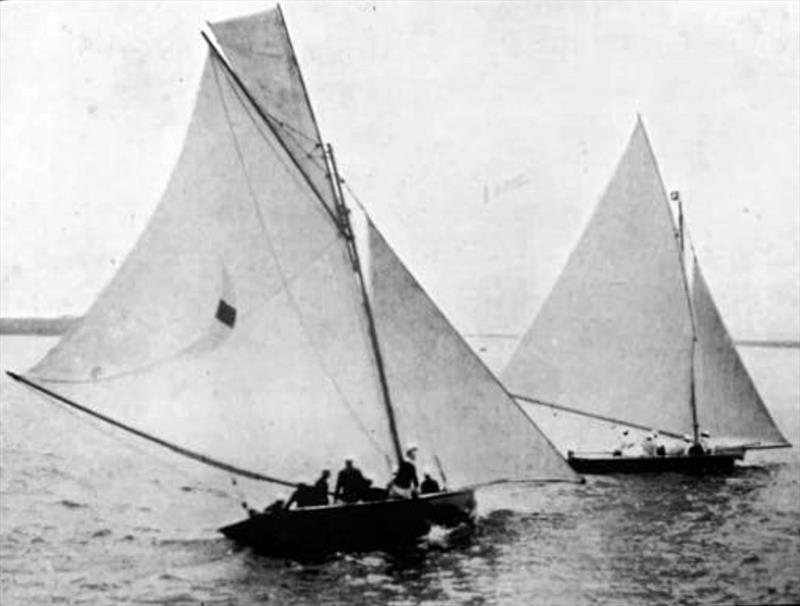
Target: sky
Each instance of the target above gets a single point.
(479, 135)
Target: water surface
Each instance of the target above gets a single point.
(87, 517)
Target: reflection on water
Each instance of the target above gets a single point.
(71, 529)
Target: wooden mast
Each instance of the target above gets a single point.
(343, 217)
(692, 387)
(346, 228)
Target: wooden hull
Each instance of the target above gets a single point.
(714, 463)
(377, 525)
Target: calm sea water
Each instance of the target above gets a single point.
(92, 518)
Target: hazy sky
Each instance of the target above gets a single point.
(479, 135)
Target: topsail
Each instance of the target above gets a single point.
(236, 328)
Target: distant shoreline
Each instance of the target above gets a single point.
(779, 343)
(768, 343)
(41, 327)
(53, 327)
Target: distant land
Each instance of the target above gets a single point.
(767, 343)
(49, 327)
(782, 343)
(43, 327)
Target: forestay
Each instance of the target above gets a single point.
(614, 336)
(446, 400)
(728, 404)
(234, 328)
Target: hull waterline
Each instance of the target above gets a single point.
(713, 463)
(377, 525)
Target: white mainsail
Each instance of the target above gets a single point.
(614, 336)
(436, 380)
(728, 403)
(286, 380)
(236, 328)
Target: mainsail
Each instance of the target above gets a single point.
(236, 328)
(437, 380)
(615, 337)
(237, 230)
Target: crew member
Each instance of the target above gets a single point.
(626, 443)
(650, 445)
(429, 485)
(319, 494)
(310, 496)
(405, 483)
(350, 483)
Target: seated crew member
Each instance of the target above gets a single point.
(350, 483)
(302, 496)
(650, 445)
(405, 483)
(626, 443)
(310, 496)
(429, 485)
(320, 489)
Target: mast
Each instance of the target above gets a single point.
(346, 229)
(676, 196)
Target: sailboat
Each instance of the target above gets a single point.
(630, 336)
(242, 331)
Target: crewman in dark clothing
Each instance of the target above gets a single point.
(405, 482)
(310, 496)
(429, 485)
(320, 489)
(301, 496)
(350, 483)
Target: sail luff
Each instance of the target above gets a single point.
(262, 114)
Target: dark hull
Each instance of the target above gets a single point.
(716, 463)
(378, 525)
